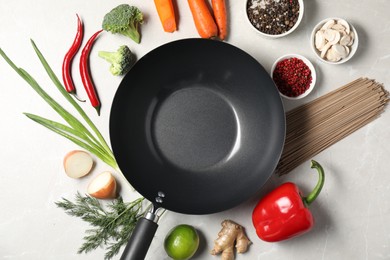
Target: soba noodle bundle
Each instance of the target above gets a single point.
(313, 127)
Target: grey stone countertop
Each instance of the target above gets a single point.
(351, 214)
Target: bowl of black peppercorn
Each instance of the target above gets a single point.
(274, 18)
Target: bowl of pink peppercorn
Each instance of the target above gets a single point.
(294, 76)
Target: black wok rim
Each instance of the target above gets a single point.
(189, 190)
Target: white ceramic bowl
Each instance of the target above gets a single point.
(301, 11)
(352, 48)
(308, 63)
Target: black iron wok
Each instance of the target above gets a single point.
(197, 127)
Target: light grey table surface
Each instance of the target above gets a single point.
(352, 213)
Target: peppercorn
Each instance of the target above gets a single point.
(273, 17)
(292, 77)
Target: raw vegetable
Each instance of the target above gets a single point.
(203, 19)
(103, 186)
(111, 226)
(220, 15)
(85, 74)
(283, 213)
(75, 131)
(166, 12)
(230, 234)
(124, 19)
(121, 60)
(67, 62)
(181, 242)
(77, 163)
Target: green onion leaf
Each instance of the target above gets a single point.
(76, 132)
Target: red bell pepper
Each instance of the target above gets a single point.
(283, 213)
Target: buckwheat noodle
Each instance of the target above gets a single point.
(313, 127)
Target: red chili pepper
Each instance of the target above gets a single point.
(283, 213)
(67, 63)
(85, 75)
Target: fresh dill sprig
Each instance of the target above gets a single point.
(111, 225)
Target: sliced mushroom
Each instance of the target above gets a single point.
(345, 39)
(332, 56)
(347, 49)
(334, 39)
(339, 51)
(345, 24)
(320, 40)
(338, 27)
(352, 34)
(328, 24)
(325, 49)
(332, 35)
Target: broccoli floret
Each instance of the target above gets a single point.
(124, 19)
(121, 60)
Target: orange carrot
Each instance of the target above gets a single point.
(220, 15)
(204, 21)
(166, 12)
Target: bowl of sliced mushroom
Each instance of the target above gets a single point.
(334, 40)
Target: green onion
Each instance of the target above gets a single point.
(75, 131)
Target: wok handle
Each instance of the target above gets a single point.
(141, 238)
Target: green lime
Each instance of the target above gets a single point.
(181, 242)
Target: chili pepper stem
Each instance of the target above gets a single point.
(98, 110)
(317, 189)
(76, 97)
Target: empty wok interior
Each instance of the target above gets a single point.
(197, 125)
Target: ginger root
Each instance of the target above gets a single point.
(230, 234)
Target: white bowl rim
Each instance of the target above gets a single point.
(308, 63)
(354, 45)
(274, 36)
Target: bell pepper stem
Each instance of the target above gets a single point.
(317, 189)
